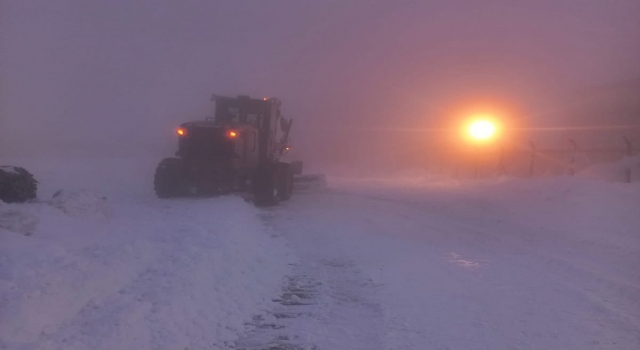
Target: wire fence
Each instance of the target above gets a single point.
(610, 153)
(562, 156)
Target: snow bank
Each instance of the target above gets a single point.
(81, 204)
(17, 221)
(160, 274)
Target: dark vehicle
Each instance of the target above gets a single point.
(239, 149)
(17, 185)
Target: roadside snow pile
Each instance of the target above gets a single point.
(81, 203)
(614, 172)
(160, 274)
(17, 221)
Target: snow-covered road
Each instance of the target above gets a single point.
(494, 265)
(365, 264)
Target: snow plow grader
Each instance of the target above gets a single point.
(237, 150)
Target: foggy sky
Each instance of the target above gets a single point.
(116, 74)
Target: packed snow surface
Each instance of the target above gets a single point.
(386, 263)
(426, 262)
(135, 273)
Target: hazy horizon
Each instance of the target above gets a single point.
(114, 75)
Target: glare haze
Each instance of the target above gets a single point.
(114, 76)
(470, 174)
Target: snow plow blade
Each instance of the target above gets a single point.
(309, 182)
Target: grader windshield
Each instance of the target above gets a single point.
(240, 110)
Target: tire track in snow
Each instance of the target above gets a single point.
(326, 303)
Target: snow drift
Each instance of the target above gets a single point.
(168, 274)
(81, 204)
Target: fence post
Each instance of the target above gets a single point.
(533, 157)
(572, 169)
(476, 163)
(502, 170)
(629, 153)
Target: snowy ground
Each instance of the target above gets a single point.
(366, 264)
(131, 271)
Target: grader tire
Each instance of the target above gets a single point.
(266, 188)
(167, 181)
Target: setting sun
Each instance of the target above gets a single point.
(482, 129)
